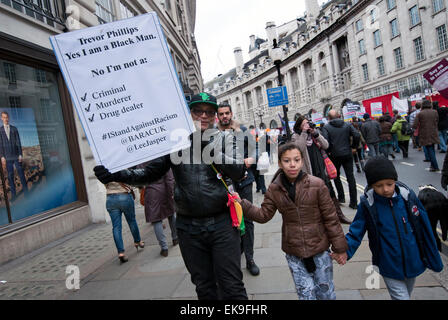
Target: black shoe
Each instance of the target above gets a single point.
(123, 259)
(341, 200)
(433, 170)
(175, 242)
(442, 151)
(426, 160)
(252, 267)
(353, 206)
(392, 155)
(164, 252)
(263, 192)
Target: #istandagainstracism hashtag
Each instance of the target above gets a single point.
(105, 136)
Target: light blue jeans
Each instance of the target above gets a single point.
(116, 204)
(443, 137)
(313, 286)
(160, 235)
(400, 289)
(374, 149)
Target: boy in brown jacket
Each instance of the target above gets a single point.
(310, 224)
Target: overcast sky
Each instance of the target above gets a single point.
(223, 25)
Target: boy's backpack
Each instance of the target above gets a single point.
(406, 128)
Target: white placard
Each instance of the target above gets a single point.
(376, 109)
(125, 90)
(317, 118)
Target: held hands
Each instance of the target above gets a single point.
(341, 258)
(103, 174)
(238, 198)
(249, 161)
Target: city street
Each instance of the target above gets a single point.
(147, 275)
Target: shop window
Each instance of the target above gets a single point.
(37, 173)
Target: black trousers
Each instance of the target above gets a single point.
(347, 163)
(247, 240)
(259, 179)
(404, 146)
(213, 259)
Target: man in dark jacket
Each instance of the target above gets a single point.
(209, 244)
(427, 121)
(11, 154)
(371, 131)
(339, 134)
(244, 186)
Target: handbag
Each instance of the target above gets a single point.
(128, 189)
(142, 196)
(236, 211)
(329, 165)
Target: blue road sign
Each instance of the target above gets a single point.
(277, 96)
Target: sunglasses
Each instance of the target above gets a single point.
(199, 112)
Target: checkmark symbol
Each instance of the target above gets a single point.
(88, 108)
(91, 119)
(84, 98)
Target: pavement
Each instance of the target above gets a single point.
(47, 273)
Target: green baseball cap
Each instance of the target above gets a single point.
(203, 98)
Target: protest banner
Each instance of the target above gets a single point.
(376, 108)
(401, 105)
(317, 118)
(349, 111)
(437, 76)
(125, 90)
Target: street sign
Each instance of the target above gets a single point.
(277, 96)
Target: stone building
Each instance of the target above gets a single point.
(64, 195)
(342, 49)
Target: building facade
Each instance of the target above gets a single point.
(342, 49)
(47, 187)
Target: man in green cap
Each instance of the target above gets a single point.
(209, 244)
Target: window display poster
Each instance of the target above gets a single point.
(437, 76)
(27, 187)
(125, 89)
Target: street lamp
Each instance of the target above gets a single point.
(277, 57)
(260, 113)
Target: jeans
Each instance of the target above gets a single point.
(443, 136)
(212, 254)
(395, 142)
(347, 163)
(10, 164)
(160, 235)
(400, 289)
(386, 150)
(116, 204)
(313, 286)
(374, 149)
(431, 153)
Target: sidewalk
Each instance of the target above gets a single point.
(147, 275)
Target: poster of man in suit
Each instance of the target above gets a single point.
(11, 153)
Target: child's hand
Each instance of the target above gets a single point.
(238, 198)
(341, 258)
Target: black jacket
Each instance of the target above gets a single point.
(338, 134)
(198, 193)
(443, 118)
(371, 131)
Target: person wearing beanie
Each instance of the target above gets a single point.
(371, 131)
(209, 244)
(401, 240)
